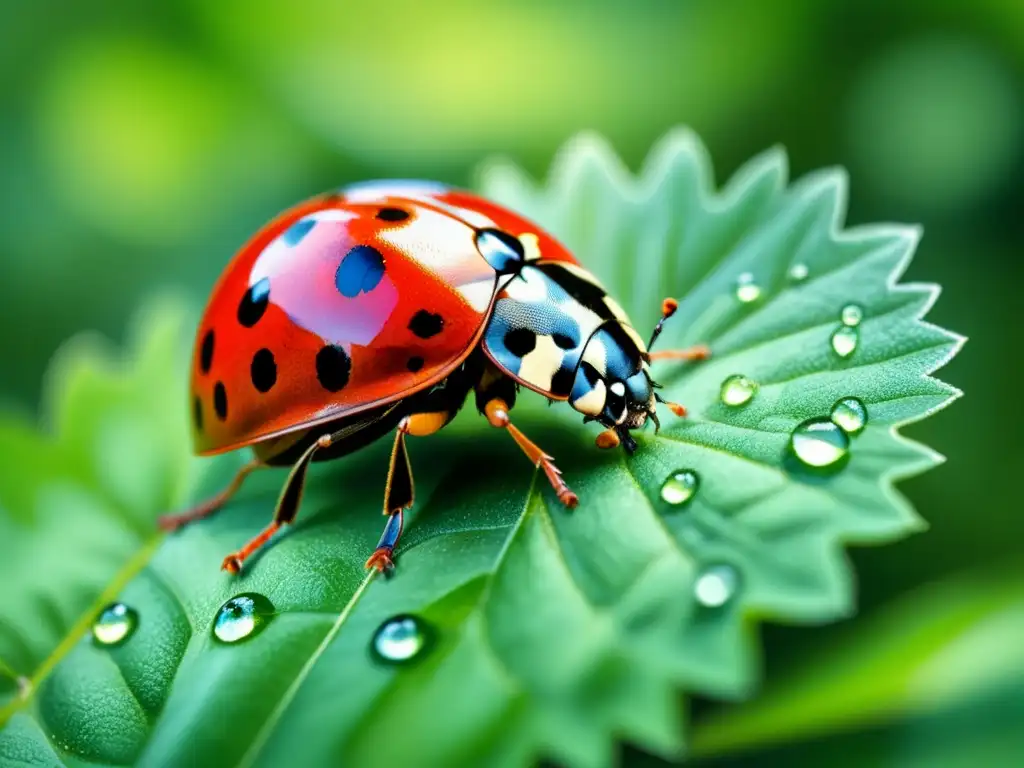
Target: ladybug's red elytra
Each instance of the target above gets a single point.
(379, 308)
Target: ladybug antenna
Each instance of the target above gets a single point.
(668, 308)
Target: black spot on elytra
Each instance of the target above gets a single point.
(197, 414)
(333, 367)
(263, 370)
(220, 400)
(392, 214)
(564, 341)
(520, 341)
(254, 303)
(426, 324)
(206, 352)
(414, 364)
(360, 271)
(562, 381)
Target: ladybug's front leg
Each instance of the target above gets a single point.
(496, 411)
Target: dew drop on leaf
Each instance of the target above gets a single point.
(242, 617)
(798, 272)
(115, 624)
(844, 341)
(737, 390)
(400, 639)
(746, 289)
(680, 487)
(820, 443)
(716, 585)
(850, 414)
(851, 315)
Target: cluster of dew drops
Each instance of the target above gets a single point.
(820, 444)
(398, 640)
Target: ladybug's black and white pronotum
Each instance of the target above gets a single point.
(379, 309)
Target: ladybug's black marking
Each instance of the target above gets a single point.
(426, 324)
(501, 250)
(360, 271)
(392, 214)
(197, 414)
(414, 364)
(591, 373)
(562, 381)
(263, 370)
(564, 341)
(254, 303)
(333, 367)
(206, 352)
(589, 294)
(220, 400)
(520, 341)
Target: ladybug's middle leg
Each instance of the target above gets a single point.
(399, 491)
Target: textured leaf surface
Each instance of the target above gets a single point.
(555, 632)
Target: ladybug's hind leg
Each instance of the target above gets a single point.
(212, 504)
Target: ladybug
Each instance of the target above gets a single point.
(379, 309)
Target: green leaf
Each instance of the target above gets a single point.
(78, 496)
(928, 670)
(555, 633)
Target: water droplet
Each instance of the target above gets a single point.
(737, 390)
(242, 617)
(850, 414)
(851, 315)
(400, 639)
(844, 341)
(716, 585)
(680, 487)
(820, 443)
(798, 273)
(115, 624)
(746, 289)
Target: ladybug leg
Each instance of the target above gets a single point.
(696, 352)
(400, 490)
(212, 504)
(287, 504)
(496, 411)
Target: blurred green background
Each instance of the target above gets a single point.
(142, 142)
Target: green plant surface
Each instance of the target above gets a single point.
(939, 674)
(555, 633)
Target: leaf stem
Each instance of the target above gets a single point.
(127, 572)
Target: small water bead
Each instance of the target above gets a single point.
(851, 315)
(798, 273)
(746, 289)
(115, 624)
(401, 639)
(242, 617)
(680, 487)
(738, 390)
(850, 414)
(820, 443)
(844, 341)
(716, 585)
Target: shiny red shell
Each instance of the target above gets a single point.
(345, 302)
